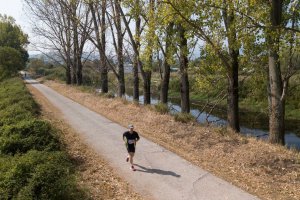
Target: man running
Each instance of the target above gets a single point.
(130, 138)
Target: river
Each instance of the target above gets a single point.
(252, 124)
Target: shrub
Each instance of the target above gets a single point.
(31, 167)
(26, 135)
(14, 114)
(56, 73)
(174, 84)
(10, 62)
(37, 175)
(162, 108)
(184, 117)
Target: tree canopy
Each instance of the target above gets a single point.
(13, 42)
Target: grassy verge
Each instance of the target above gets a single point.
(33, 164)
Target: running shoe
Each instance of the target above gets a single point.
(132, 168)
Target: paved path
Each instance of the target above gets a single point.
(160, 173)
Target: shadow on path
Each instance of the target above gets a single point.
(156, 171)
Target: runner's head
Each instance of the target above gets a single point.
(130, 127)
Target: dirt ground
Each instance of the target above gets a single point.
(94, 175)
(266, 170)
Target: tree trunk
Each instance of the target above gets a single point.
(147, 87)
(233, 92)
(79, 70)
(73, 69)
(136, 94)
(104, 70)
(100, 43)
(277, 103)
(121, 79)
(232, 71)
(184, 81)
(166, 67)
(68, 74)
(75, 45)
(145, 74)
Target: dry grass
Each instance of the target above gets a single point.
(265, 170)
(93, 173)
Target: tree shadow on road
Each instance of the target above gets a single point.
(156, 171)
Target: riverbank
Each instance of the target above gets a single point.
(266, 170)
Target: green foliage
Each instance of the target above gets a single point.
(12, 37)
(10, 62)
(162, 108)
(16, 103)
(254, 87)
(184, 117)
(37, 175)
(89, 77)
(27, 134)
(31, 163)
(56, 73)
(174, 84)
(38, 67)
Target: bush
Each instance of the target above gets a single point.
(10, 62)
(161, 108)
(184, 117)
(27, 135)
(174, 84)
(14, 114)
(56, 73)
(31, 165)
(37, 175)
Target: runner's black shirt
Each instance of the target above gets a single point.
(130, 138)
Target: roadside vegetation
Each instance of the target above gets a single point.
(33, 163)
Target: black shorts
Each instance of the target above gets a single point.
(131, 148)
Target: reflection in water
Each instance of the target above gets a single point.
(291, 139)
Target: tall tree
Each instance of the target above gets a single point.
(60, 19)
(233, 67)
(118, 44)
(80, 25)
(144, 68)
(183, 60)
(167, 44)
(207, 19)
(12, 36)
(148, 52)
(56, 30)
(98, 11)
(276, 98)
(137, 19)
(166, 65)
(279, 21)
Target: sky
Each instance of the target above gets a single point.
(14, 8)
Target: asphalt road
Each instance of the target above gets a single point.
(160, 173)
